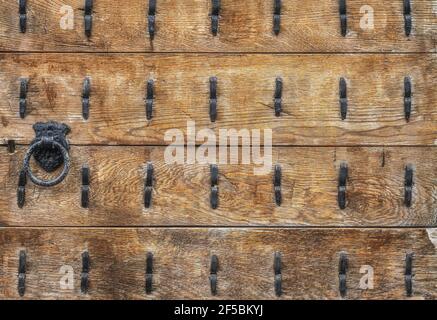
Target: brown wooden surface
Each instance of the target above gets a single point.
(183, 232)
(181, 192)
(246, 83)
(244, 26)
(310, 259)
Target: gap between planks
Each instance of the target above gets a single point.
(273, 145)
(418, 227)
(223, 53)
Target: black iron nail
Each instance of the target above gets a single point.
(343, 98)
(149, 272)
(151, 18)
(277, 185)
(342, 272)
(23, 97)
(278, 97)
(276, 16)
(22, 273)
(88, 17)
(342, 179)
(213, 275)
(407, 17)
(85, 188)
(22, 10)
(215, 12)
(213, 99)
(149, 99)
(407, 98)
(84, 277)
(148, 186)
(21, 190)
(343, 17)
(86, 94)
(277, 265)
(214, 186)
(409, 274)
(408, 185)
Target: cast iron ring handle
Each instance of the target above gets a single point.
(54, 144)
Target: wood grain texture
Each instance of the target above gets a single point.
(244, 26)
(181, 192)
(310, 259)
(246, 84)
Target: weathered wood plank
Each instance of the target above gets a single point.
(181, 192)
(246, 85)
(309, 268)
(244, 26)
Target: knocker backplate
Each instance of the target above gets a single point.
(48, 157)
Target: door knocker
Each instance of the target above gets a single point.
(50, 150)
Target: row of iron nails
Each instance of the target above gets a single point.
(86, 96)
(148, 186)
(215, 17)
(213, 277)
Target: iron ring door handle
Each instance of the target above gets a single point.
(50, 151)
(51, 143)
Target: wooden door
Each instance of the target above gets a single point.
(334, 103)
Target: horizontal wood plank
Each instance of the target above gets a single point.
(181, 269)
(246, 86)
(181, 192)
(244, 26)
